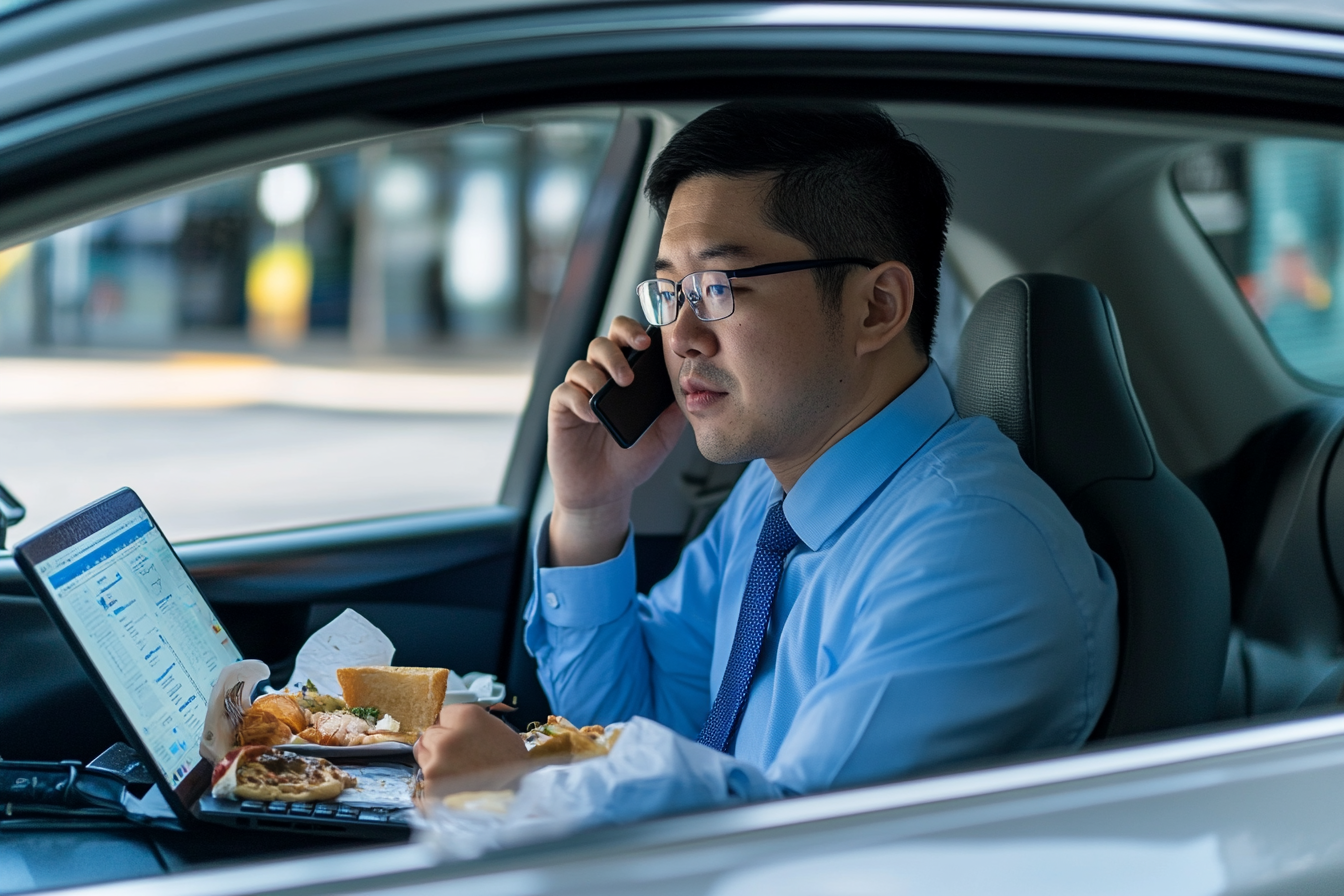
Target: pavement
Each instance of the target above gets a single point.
(221, 443)
(194, 380)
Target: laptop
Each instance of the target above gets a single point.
(153, 647)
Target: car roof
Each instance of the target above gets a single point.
(118, 42)
(1322, 14)
(1325, 15)
(203, 29)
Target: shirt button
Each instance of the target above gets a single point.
(551, 600)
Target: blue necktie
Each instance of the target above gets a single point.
(776, 540)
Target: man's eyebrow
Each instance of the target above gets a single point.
(708, 254)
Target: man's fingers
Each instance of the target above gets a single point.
(587, 377)
(628, 331)
(457, 714)
(424, 749)
(607, 356)
(572, 398)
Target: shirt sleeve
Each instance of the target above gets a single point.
(968, 642)
(606, 654)
(582, 627)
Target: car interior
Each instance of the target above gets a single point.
(1084, 311)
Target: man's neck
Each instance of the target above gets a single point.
(790, 468)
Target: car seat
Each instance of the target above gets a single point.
(1041, 356)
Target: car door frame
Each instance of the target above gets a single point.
(472, 558)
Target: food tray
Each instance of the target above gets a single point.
(365, 751)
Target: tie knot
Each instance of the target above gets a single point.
(777, 536)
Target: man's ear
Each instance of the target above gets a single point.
(888, 292)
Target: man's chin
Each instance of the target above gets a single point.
(722, 447)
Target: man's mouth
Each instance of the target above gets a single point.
(700, 394)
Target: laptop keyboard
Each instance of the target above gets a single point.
(331, 811)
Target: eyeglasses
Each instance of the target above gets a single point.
(711, 292)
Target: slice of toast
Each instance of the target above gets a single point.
(410, 694)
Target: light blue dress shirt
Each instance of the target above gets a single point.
(942, 607)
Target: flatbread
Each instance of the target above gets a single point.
(260, 773)
(559, 738)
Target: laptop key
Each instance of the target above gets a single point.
(253, 806)
(351, 812)
(301, 809)
(373, 815)
(324, 810)
(277, 807)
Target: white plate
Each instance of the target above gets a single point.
(496, 696)
(466, 695)
(366, 751)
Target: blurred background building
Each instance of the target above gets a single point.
(400, 245)
(335, 338)
(1274, 211)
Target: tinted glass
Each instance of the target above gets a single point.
(344, 337)
(1274, 212)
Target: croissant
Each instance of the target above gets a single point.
(260, 728)
(283, 707)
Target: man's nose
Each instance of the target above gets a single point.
(689, 336)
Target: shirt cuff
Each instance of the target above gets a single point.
(583, 596)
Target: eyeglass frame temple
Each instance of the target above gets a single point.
(784, 267)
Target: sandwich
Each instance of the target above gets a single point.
(412, 695)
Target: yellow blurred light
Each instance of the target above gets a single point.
(1317, 292)
(11, 258)
(279, 284)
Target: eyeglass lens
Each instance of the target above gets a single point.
(709, 292)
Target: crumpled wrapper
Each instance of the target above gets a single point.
(650, 771)
(347, 640)
(241, 678)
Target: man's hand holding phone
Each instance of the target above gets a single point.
(594, 477)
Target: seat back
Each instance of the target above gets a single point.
(1041, 356)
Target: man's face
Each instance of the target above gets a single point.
(764, 382)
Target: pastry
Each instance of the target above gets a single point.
(260, 773)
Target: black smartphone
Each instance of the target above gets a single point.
(628, 411)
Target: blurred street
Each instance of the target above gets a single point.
(223, 443)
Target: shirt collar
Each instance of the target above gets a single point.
(841, 480)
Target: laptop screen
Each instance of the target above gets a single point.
(146, 628)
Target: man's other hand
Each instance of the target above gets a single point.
(467, 740)
(593, 476)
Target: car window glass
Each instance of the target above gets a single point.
(1273, 210)
(344, 337)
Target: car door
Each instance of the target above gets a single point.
(446, 585)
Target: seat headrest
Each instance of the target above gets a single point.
(1040, 355)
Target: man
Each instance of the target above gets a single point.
(888, 588)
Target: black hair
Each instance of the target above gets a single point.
(845, 182)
